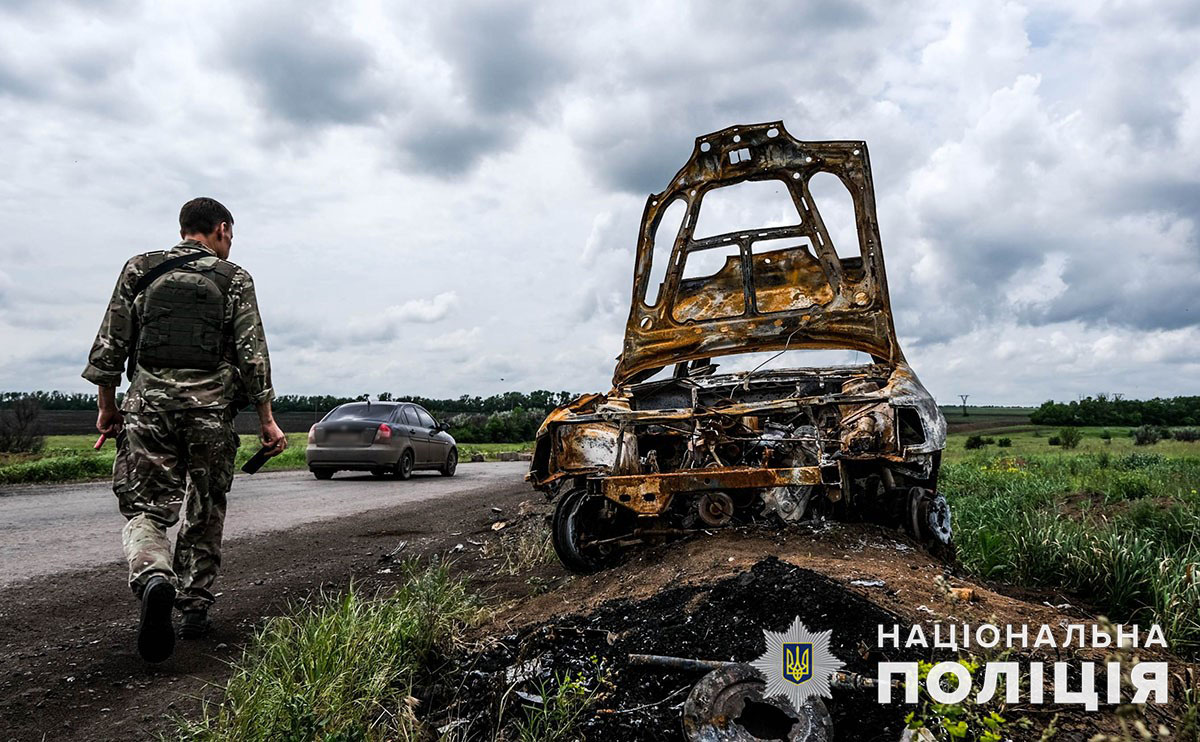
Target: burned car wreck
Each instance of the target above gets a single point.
(698, 449)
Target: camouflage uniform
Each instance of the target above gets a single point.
(178, 444)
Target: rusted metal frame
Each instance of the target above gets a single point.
(764, 233)
(763, 332)
(774, 159)
(685, 245)
(822, 243)
(679, 249)
(651, 494)
(738, 410)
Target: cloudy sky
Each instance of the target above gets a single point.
(443, 198)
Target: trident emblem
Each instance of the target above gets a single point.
(797, 662)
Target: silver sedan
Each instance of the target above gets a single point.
(395, 438)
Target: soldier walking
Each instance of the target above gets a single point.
(183, 324)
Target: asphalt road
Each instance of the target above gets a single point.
(48, 529)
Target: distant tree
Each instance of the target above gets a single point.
(20, 431)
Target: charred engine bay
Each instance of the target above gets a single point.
(703, 450)
(779, 434)
(723, 620)
(829, 444)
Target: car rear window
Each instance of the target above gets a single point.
(360, 412)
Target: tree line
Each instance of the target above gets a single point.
(1104, 409)
(500, 418)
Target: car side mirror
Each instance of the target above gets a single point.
(441, 425)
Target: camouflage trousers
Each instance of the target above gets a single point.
(168, 461)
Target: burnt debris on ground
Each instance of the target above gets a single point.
(723, 620)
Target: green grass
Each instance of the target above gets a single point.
(1033, 440)
(490, 450)
(566, 699)
(68, 458)
(1116, 524)
(342, 668)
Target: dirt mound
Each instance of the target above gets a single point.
(710, 597)
(723, 620)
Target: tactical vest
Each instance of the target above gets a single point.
(182, 323)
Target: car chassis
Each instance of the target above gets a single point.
(701, 450)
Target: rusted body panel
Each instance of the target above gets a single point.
(761, 300)
(650, 494)
(758, 443)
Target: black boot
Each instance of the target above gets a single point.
(194, 624)
(156, 634)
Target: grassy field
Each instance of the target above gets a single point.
(70, 458)
(1029, 440)
(1114, 523)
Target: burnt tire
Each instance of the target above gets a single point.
(451, 464)
(576, 516)
(929, 518)
(322, 473)
(404, 467)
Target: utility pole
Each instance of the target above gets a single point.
(963, 397)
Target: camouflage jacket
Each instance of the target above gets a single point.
(244, 374)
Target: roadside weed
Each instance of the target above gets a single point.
(342, 667)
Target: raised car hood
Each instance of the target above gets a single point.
(762, 299)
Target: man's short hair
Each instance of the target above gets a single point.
(202, 216)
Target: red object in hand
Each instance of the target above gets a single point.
(100, 442)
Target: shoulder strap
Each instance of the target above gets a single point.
(165, 267)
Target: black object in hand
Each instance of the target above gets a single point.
(257, 460)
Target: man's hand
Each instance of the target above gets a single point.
(272, 437)
(110, 420)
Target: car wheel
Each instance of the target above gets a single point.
(451, 464)
(322, 473)
(579, 518)
(930, 518)
(404, 467)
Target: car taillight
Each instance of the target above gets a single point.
(383, 433)
(312, 434)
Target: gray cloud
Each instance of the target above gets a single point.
(497, 57)
(305, 70)
(447, 148)
(388, 323)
